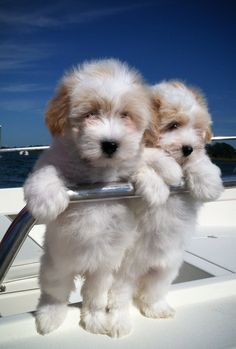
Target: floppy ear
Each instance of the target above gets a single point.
(151, 135)
(57, 112)
(208, 135)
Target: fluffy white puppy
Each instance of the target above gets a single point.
(97, 118)
(181, 126)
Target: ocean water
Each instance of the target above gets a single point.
(14, 168)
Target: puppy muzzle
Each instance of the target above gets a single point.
(109, 147)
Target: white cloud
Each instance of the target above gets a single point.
(47, 18)
(18, 56)
(21, 105)
(98, 14)
(27, 87)
(32, 20)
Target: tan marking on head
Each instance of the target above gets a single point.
(57, 112)
(80, 93)
(88, 101)
(152, 134)
(208, 135)
(177, 83)
(165, 112)
(137, 104)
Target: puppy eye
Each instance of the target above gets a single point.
(124, 115)
(91, 115)
(173, 126)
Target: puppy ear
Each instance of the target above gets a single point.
(151, 135)
(57, 112)
(208, 135)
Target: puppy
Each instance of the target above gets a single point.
(181, 126)
(97, 120)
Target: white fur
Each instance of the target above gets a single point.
(86, 238)
(165, 221)
(181, 98)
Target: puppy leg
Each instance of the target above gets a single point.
(46, 194)
(55, 291)
(164, 165)
(94, 292)
(151, 186)
(120, 297)
(203, 179)
(154, 288)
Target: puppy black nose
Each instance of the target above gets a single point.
(187, 150)
(109, 147)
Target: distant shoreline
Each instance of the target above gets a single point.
(223, 159)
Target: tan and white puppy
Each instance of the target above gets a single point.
(181, 126)
(97, 120)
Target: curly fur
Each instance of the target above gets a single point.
(165, 221)
(96, 102)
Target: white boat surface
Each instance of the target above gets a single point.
(204, 294)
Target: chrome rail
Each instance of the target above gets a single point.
(223, 138)
(10, 150)
(43, 147)
(229, 181)
(18, 230)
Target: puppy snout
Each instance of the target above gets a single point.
(187, 150)
(109, 147)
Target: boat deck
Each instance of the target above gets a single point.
(205, 318)
(204, 294)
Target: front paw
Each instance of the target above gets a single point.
(158, 310)
(120, 323)
(49, 317)
(150, 186)
(206, 185)
(94, 321)
(170, 171)
(47, 205)
(165, 165)
(45, 194)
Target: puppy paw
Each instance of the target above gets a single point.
(49, 317)
(165, 165)
(47, 208)
(151, 186)
(45, 194)
(94, 322)
(160, 309)
(205, 185)
(120, 324)
(170, 171)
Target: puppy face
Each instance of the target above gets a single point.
(181, 122)
(104, 108)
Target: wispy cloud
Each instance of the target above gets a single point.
(30, 19)
(19, 56)
(25, 55)
(98, 14)
(48, 18)
(27, 87)
(21, 105)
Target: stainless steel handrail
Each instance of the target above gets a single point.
(223, 138)
(10, 150)
(43, 147)
(18, 230)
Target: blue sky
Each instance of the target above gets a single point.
(185, 39)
